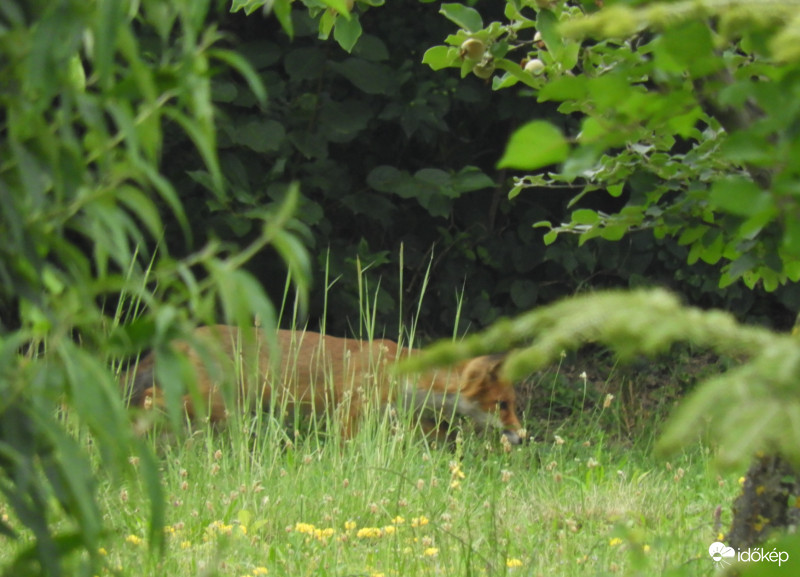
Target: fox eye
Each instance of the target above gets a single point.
(502, 405)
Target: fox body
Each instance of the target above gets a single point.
(331, 376)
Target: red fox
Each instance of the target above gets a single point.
(325, 375)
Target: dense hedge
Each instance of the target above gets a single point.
(394, 158)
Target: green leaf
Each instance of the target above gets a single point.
(688, 47)
(547, 25)
(283, 12)
(739, 196)
(613, 232)
(339, 6)
(569, 54)
(524, 293)
(515, 71)
(747, 147)
(440, 57)
(564, 88)
(150, 479)
(471, 178)
(713, 252)
(585, 216)
(204, 142)
(692, 234)
(369, 77)
(260, 135)
(467, 18)
(791, 236)
(326, 22)
(535, 145)
(385, 178)
(242, 66)
(347, 31)
(105, 39)
(144, 208)
(306, 63)
(434, 176)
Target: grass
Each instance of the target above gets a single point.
(384, 503)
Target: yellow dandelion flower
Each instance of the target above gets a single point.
(419, 521)
(243, 529)
(369, 533)
(102, 551)
(186, 544)
(741, 480)
(133, 540)
(307, 528)
(323, 534)
(260, 571)
(455, 484)
(398, 520)
(389, 530)
(219, 527)
(349, 525)
(431, 552)
(614, 542)
(646, 548)
(377, 575)
(511, 563)
(456, 472)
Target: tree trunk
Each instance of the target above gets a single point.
(770, 500)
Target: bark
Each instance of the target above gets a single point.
(769, 501)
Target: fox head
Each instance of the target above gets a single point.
(486, 397)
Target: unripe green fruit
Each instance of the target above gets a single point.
(484, 70)
(472, 48)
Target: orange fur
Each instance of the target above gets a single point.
(325, 375)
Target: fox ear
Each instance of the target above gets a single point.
(479, 372)
(495, 364)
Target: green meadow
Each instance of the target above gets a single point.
(255, 499)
